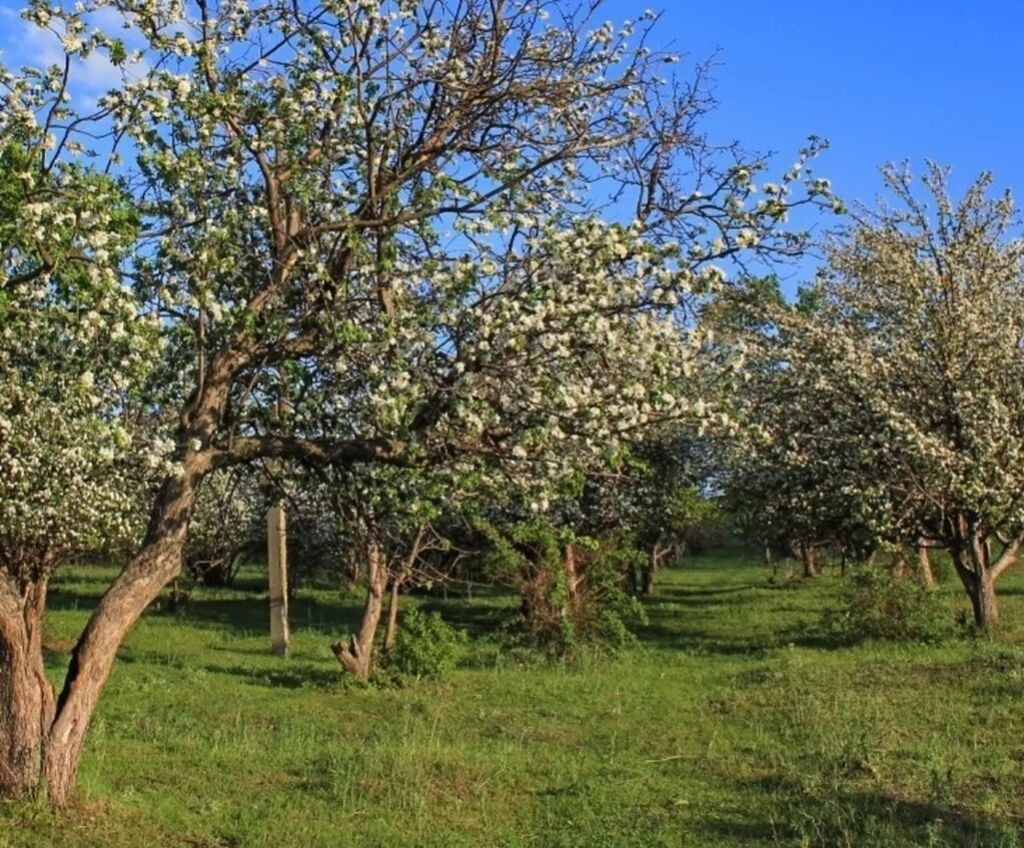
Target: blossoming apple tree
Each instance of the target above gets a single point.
(909, 373)
(391, 219)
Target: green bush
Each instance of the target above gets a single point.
(597, 612)
(875, 604)
(426, 646)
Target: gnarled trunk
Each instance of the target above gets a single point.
(26, 697)
(135, 588)
(356, 653)
(978, 570)
(40, 739)
(981, 589)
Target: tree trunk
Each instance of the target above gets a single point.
(356, 654)
(979, 581)
(135, 588)
(573, 579)
(924, 567)
(808, 556)
(983, 601)
(632, 583)
(26, 697)
(650, 568)
(392, 629)
(898, 565)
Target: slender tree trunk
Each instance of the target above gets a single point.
(925, 574)
(26, 697)
(649, 570)
(356, 654)
(573, 579)
(392, 629)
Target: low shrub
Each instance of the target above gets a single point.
(875, 604)
(426, 646)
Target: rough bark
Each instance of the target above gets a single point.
(26, 697)
(40, 738)
(981, 589)
(978, 570)
(141, 581)
(356, 653)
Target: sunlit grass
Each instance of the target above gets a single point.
(734, 722)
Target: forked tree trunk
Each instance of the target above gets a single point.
(978, 571)
(809, 557)
(135, 588)
(40, 740)
(356, 653)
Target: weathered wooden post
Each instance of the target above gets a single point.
(277, 565)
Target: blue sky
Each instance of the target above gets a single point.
(881, 80)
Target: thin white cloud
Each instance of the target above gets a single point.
(24, 43)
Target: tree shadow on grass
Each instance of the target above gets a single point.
(293, 675)
(865, 818)
(251, 614)
(697, 641)
(275, 672)
(476, 619)
(674, 593)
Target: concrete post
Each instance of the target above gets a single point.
(277, 564)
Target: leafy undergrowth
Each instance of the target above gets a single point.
(736, 722)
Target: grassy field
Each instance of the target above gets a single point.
(736, 722)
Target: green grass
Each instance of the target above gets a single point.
(735, 723)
